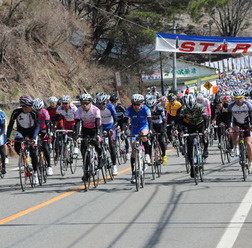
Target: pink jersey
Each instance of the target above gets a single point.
(88, 118)
(44, 116)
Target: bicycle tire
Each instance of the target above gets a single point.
(243, 161)
(40, 170)
(45, 165)
(142, 173)
(137, 174)
(201, 167)
(118, 150)
(73, 165)
(228, 150)
(109, 164)
(86, 176)
(95, 169)
(55, 152)
(159, 164)
(63, 160)
(223, 150)
(23, 173)
(154, 159)
(194, 165)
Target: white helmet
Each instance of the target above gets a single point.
(85, 97)
(151, 101)
(239, 92)
(66, 99)
(101, 97)
(137, 98)
(38, 104)
(53, 99)
(200, 98)
(190, 101)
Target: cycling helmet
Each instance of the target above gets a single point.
(38, 104)
(164, 99)
(171, 97)
(25, 101)
(114, 98)
(190, 101)
(66, 99)
(85, 97)
(151, 101)
(137, 98)
(101, 97)
(227, 99)
(217, 101)
(53, 99)
(200, 98)
(239, 92)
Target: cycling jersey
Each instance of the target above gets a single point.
(108, 115)
(138, 119)
(172, 109)
(158, 116)
(52, 113)
(3, 117)
(43, 117)
(26, 123)
(2, 125)
(88, 117)
(193, 117)
(69, 115)
(120, 110)
(240, 114)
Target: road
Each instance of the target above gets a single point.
(170, 212)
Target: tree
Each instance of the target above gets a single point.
(229, 16)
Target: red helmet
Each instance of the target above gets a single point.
(227, 99)
(163, 99)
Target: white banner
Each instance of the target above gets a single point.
(230, 67)
(246, 62)
(225, 63)
(238, 62)
(220, 65)
(202, 44)
(242, 59)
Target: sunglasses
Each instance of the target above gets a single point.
(136, 104)
(64, 103)
(85, 103)
(239, 97)
(102, 103)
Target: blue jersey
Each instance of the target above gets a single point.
(158, 116)
(107, 116)
(2, 120)
(138, 119)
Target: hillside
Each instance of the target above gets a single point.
(44, 53)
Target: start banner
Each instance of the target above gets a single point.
(202, 44)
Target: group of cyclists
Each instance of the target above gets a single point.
(171, 115)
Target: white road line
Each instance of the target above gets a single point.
(14, 169)
(229, 237)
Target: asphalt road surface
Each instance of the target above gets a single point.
(170, 212)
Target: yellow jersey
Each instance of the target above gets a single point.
(172, 109)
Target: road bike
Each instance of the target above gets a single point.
(140, 165)
(25, 170)
(243, 157)
(156, 156)
(197, 157)
(120, 147)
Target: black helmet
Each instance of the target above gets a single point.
(114, 98)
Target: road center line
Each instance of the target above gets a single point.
(229, 237)
(43, 204)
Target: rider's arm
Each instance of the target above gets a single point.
(149, 118)
(115, 122)
(36, 130)
(77, 126)
(11, 123)
(125, 123)
(97, 125)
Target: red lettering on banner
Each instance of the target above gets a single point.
(206, 45)
(243, 47)
(221, 49)
(187, 47)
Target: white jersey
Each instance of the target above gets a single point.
(241, 114)
(69, 115)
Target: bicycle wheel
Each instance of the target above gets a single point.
(118, 151)
(154, 160)
(40, 170)
(159, 161)
(63, 160)
(137, 171)
(23, 173)
(243, 160)
(201, 166)
(56, 149)
(223, 150)
(177, 146)
(45, 165)
(86, 175)
(109, 164)
(195, 164)
(74, 163)
(142, 173)
(228, 150)
(211, 136)
(95, 169)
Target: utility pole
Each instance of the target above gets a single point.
(161, 71)
(174, 85)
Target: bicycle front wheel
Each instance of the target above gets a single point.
(63, 160)
(154, 160)
(223, 150)
(24, 174)
(137, 171)
(243, 160)
(40, 170)
(86, 175)
(195, 164)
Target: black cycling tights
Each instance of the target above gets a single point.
(3, 155)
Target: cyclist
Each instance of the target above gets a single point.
(52, 112)
(172, 108)
(67, 110)
(2, 140)
(90, 117)
(109, 123)
(240, 116)
(163, 101)
(159, 124)
(154, 92)
(44, 121)
(141, 123)
(27, 126)
(194, 117)
(120, 110)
